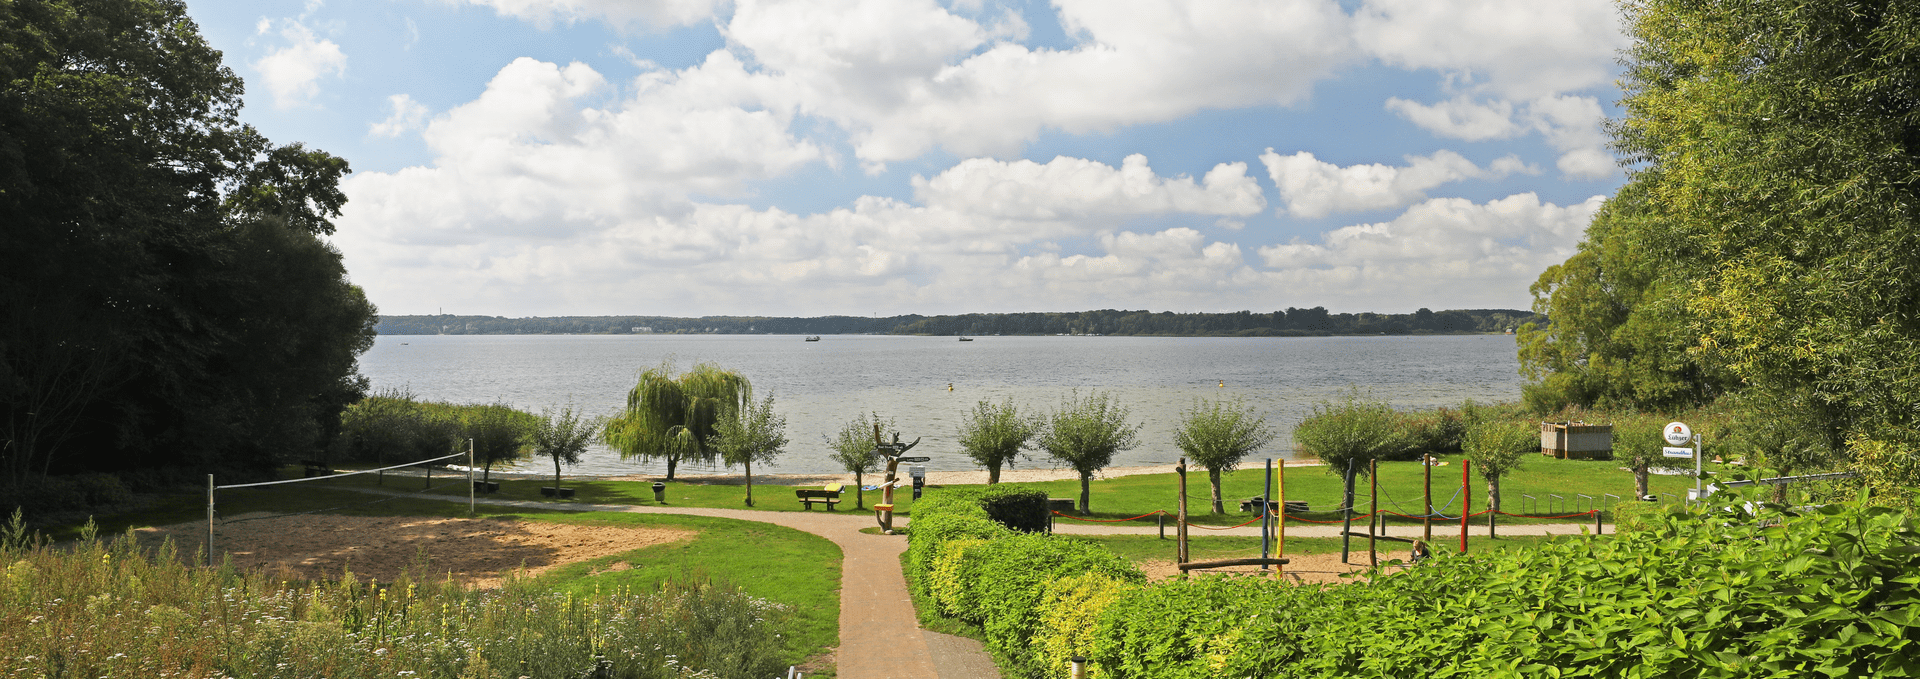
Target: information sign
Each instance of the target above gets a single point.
(1678, 434)
(916, 459)
(1676, 452)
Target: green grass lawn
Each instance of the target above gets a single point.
(1138, 548)
(680, 493)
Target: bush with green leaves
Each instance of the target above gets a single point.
(1355, 429)
(1712, 591)
(1085, 432)
(1497, 447)
(1002, 583)
(1217, 435)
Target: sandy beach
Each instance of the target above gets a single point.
(935, 478)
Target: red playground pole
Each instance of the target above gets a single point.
(1466, 503)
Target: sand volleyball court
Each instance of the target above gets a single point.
(478, 552)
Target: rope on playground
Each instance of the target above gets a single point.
(1142, 516)
(1195, 525)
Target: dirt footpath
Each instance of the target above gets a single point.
(477, 552)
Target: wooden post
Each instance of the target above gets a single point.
(1597, 513)
(1491, 512)
(1373, 510)
(1426, 463)
(470, 478)
(1280, 545)
(1160, 521)
(1466, 503)
(1346, 515)
(209, 520)
(1180, 531)
(1266, 497)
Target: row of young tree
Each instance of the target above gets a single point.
(1763, 248)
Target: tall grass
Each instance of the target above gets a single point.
(104, 608)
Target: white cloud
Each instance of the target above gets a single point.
(1514, 49)
(1568, 123)
(618, 13)
(403, 115)
(1460, 117)
(1312, 188)
(292, 73)
(1496, 248)
(1074, 187)
(905, 76)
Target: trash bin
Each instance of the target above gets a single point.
(659, 492)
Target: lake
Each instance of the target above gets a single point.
(820, 385)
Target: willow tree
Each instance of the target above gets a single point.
(993, 434)
(672, 418)
(754, 434)
(1217, 435)
(1085, 433)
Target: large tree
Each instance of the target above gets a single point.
(167, 298)
(1778, 146)
(673, 418)
(993, 434)
(1085, 432)
(1217, 435)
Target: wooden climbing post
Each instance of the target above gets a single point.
(1180, 531)
(1373, 510)
(1426, 464)
(1266, 516)
(1280, 528)
(1466, 503)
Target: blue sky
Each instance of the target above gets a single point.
(812, 157)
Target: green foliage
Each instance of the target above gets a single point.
(994, 434)
(853, 448)
(1084, 433)
(1020, 508)
(672, 419)
(1496, 447)
(1621, 328)
(1706, 593)
(1217, 435)
(106, 609)
(562, 436)
(753, 434)
(393, 426)
(496, 433)
(168, 301)
(1006, 580)
(1355, 430)
(1069, 610)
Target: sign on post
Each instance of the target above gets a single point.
(1678, 434)
(916, 459)
(1671, 451)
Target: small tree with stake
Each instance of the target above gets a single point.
(993, 435)
(498, 433)
(1217, 435)
(1085, 433)
(562, 436)
(1348, 434)
(754, 434)
(1496, 448)
(853, 449)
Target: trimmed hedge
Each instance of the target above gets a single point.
(1713, 592)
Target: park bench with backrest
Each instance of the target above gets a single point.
(829, 495)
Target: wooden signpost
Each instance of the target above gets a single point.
(893, 452)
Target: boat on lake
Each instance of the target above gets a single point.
(813, 338)
(966, 339)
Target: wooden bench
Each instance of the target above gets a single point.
(316, 468)
(1295, 506)
(829, 496)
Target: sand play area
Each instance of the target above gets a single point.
(477, 552)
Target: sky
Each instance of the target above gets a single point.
(862, 157)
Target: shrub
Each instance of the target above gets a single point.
(1355, 429)
(1069, 612)
(1189, 629)
(1019, 508)
(1007, 578)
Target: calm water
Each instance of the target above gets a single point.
(820, 385)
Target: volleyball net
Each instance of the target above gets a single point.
(347, 480)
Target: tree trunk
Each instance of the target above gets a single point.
(1213, 477)
(1086, 492)
(1493, 502)
(1780, 490)
(671, 462)
(749, 464)
(556, 477)
(1640, 481)
(859, 492)
(486, 472)
(993, 473)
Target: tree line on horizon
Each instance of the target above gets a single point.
(1292, 322)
